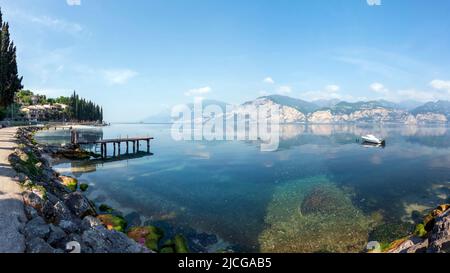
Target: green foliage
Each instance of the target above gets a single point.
(10, 82)
(83, 110)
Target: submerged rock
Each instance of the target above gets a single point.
(322, 200)
(327, 221)
(113, 222)
(149, 236)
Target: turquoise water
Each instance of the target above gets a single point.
(231, 196)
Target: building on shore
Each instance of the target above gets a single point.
(44, 112)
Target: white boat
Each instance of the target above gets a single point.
(373, 139)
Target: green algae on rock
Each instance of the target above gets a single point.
(84, 187)
(69, 182)
(113, 222)
(105, 208)
(313, 216)
(150, 236)
(177, 245)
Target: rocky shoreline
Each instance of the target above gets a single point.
(61, 219)
(431, 236)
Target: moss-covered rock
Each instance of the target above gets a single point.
(176, 245)
(113, 222)
(69, 182)
(167, 250)
(420, 231)
(105, 208)
(181, 245)
(84, 187)
(149, 236)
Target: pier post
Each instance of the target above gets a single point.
(114, 150)
(118, 145)
(127, 146)
(134, 147)
(148, 145)
(137, 150)
(101, 149)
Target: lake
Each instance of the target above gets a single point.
(321, 191)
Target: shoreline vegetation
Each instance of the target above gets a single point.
(58, 213)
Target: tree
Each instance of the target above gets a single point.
(10, 82)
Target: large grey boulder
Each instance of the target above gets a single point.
(38, 245)
(79, 205)
(439, 240)
(102, 240)
(37, 228)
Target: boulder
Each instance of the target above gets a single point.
(102, 240)
(62, 212)
(90, 222)
(70, 226)
(33, 200)
(38, 245)
(440, 235)
(70, 182)
(113, 222)
(30, 212)
(56, 235)
(37, 228)
(79, 205)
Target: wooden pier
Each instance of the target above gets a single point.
(135, 141)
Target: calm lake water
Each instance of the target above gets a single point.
(231, 196)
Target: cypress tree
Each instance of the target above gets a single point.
(10, 82)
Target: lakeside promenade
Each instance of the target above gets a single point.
(12, 215)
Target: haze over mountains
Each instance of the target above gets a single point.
(295, 110)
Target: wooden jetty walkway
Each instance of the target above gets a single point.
(135, 141)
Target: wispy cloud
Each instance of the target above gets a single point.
(379, 88)
(440, 85)
(284, 90)
(269, 80)
(332, 88)
(53, 23)
(73, 2)
(118, 76)
(198, 91)
(373, 2)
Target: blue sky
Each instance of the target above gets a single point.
(138, 57)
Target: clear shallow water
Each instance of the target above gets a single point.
(232, 195)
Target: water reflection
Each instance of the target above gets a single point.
(251, 198)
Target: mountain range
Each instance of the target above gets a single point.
(295, 110)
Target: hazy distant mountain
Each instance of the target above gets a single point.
(326, 103)
(439, 107)
(294, 110)
(298, 104)
(162, 117)
(344, 107)
(409, 104)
